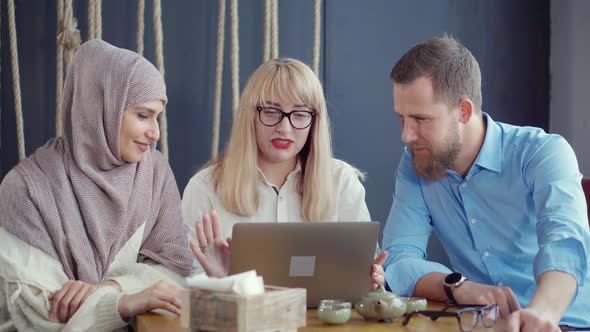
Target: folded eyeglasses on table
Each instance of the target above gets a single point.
(467, 315)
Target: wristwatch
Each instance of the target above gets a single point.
(452, 281)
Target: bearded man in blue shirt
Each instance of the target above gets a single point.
(505, 201)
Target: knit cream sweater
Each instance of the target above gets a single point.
(28, 276)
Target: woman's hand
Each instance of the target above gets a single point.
(377, 273)
(212, 251)
(66, 301)
(162, 295)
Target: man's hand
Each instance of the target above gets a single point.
(530, 320)
(377, 273)
(473, 293)
(162, 295)
(212, 251)
(555, 290)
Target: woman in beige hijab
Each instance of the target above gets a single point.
(91, 223)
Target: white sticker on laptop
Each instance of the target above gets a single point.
(302, 266)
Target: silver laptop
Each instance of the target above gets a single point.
(332, 260)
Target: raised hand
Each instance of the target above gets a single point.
(212, 251)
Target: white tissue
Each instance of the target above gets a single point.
(245, 283)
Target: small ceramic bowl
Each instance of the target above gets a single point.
(334, 311)
(414, 304)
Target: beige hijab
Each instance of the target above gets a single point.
(83, 202)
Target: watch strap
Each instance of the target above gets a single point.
(450, 295)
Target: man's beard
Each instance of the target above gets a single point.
(434, 167)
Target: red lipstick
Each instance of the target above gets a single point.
(281, 143)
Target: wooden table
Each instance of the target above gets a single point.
(155, 322)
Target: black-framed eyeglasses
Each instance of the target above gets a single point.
(271, 116)
(467, 315)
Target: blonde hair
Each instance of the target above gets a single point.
(235, 173)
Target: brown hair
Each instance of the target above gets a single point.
(454, 71)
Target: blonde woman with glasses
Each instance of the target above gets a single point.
(278, 166)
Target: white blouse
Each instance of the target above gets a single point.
(275, 205)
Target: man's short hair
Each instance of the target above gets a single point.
(454, 71)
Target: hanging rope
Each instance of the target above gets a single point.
(158, 35)
(68, 39)
(59, 76)
(94, 19)
(91, 20)
(18, 109)
(98, 18)
(235, 56)
(69, 36)
(316, 36)
(218, 78)
(140, 25)
(271, 30)
(266, 39)
(275, 29)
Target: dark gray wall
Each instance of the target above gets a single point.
(570, 76)
(362, 41)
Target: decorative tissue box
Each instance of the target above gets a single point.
(278, 309)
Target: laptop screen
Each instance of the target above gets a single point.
(332, 260)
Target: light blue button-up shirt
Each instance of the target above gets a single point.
(519, 212)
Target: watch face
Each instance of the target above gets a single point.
(453, 278)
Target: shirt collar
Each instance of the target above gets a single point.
(490, 154)
(295, 171)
